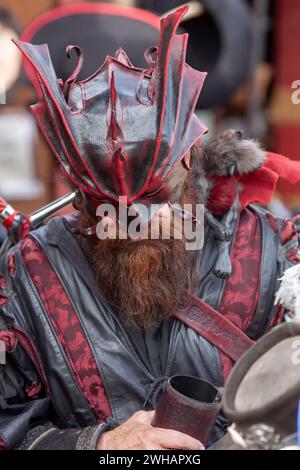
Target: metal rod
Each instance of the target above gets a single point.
(37, 217)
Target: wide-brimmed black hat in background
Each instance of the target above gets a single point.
(220, 39)
(99, 29)
(220, 44)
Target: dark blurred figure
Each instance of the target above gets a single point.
(221, 37)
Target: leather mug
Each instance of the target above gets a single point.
(190, 405)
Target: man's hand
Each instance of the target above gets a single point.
(138, 434)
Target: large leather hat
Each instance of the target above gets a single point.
(263, 389)
(122, 131)
(220, 44)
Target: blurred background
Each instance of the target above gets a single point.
(250, 48)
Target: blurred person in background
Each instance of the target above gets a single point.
(10, 59)
(10, 66)
(22, 159)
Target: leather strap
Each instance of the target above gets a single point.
(211, 325)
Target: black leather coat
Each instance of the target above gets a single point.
(43, 402)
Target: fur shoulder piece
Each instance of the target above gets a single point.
(229, 154)
(240, 168)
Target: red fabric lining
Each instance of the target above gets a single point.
(11, 262)
(29, 347)
(67, 327)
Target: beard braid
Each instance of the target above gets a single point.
(147, 280)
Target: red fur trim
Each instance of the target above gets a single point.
(222, 194)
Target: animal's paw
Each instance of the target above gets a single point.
(223, 267)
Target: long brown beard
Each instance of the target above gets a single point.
(146, 281)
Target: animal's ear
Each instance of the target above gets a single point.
(194, 154)
(78, 202)
(187, 160)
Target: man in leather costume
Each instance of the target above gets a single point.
(89, 325)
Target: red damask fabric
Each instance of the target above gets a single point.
(67, 326)
(241, 291)
(242, 288)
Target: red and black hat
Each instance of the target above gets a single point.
(121, 131)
